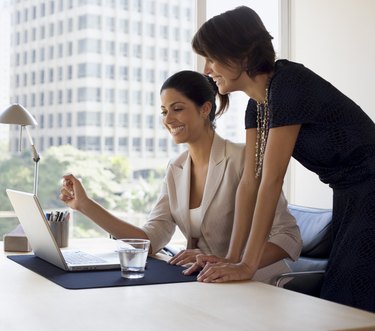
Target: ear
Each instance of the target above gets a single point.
(206, 109)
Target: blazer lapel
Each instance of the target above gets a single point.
(215, 173)
(181, 175)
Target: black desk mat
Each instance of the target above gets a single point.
(157, 272)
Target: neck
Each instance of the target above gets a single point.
(257, 90)
(200, 150)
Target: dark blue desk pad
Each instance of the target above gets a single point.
(157, 272)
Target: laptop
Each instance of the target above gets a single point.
(35, 225)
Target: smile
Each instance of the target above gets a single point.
(176, 130)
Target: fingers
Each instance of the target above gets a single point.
(224, 272)
(66, 195)
(200, 262)
(195, 267)
(67, 190)
(184, 257)
(213, 273)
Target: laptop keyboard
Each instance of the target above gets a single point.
(78, 257)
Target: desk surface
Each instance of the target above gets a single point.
(30, 302)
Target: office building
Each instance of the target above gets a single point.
(4, 64)
(90, 72)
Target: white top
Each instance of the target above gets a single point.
(196, 222)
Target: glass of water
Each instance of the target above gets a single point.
(133, 255)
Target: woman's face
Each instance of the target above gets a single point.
(184, 120)
(228, 78)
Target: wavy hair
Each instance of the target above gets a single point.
(239, 36)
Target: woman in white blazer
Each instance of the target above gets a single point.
(198, 193)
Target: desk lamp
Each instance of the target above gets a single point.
(17, 114)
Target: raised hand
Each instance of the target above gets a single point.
(72, 192)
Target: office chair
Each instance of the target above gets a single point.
(308, 271)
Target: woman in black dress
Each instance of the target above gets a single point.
(292, 112)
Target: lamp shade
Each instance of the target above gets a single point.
(17, 114)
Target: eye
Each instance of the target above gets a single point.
(163, 113)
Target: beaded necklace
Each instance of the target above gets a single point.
(263, 116)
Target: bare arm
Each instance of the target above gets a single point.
(246, 196)
(74, 195)
(280, 146)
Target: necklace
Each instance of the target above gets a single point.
(263, 116)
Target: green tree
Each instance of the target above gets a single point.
(107, 179)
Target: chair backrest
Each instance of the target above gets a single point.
(314, 225)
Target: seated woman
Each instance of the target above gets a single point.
(198, 193)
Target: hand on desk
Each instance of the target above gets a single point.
(185, 256)
(218, 270)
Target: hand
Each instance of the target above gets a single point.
(72, 192)
(201, 261)
(224, 272)
(218, 270)
(185, 256)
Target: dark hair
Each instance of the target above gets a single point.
(198, 88)
(237, 35)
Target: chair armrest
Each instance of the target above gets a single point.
(306, 282)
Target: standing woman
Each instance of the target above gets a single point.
(293, 112)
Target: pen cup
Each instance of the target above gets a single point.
(60, 230)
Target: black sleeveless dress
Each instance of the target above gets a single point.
(337, 142)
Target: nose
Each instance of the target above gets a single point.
(168, 118)
(207, 67)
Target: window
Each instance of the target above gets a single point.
(89, 70)
(89, 22)
(69, 96)
(110, 95)
(123, 120)
(110, 120)
(88, 118)
(97, 66)
(87, 94)
(149, 144)
(108, 143)
(50, 98)
(89, 46)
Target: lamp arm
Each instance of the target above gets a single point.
(36, 156)
(36, 159)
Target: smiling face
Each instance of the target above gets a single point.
(184, 120)
(228, 78)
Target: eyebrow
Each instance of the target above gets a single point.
(172, 104)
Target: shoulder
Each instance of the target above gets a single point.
(227, 147)
(292, 75)
(235, 154)
(234, 148)
(179, 160)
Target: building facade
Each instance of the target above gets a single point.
(90, 72)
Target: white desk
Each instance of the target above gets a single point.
(31, 302)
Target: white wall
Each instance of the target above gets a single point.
(334, 38)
